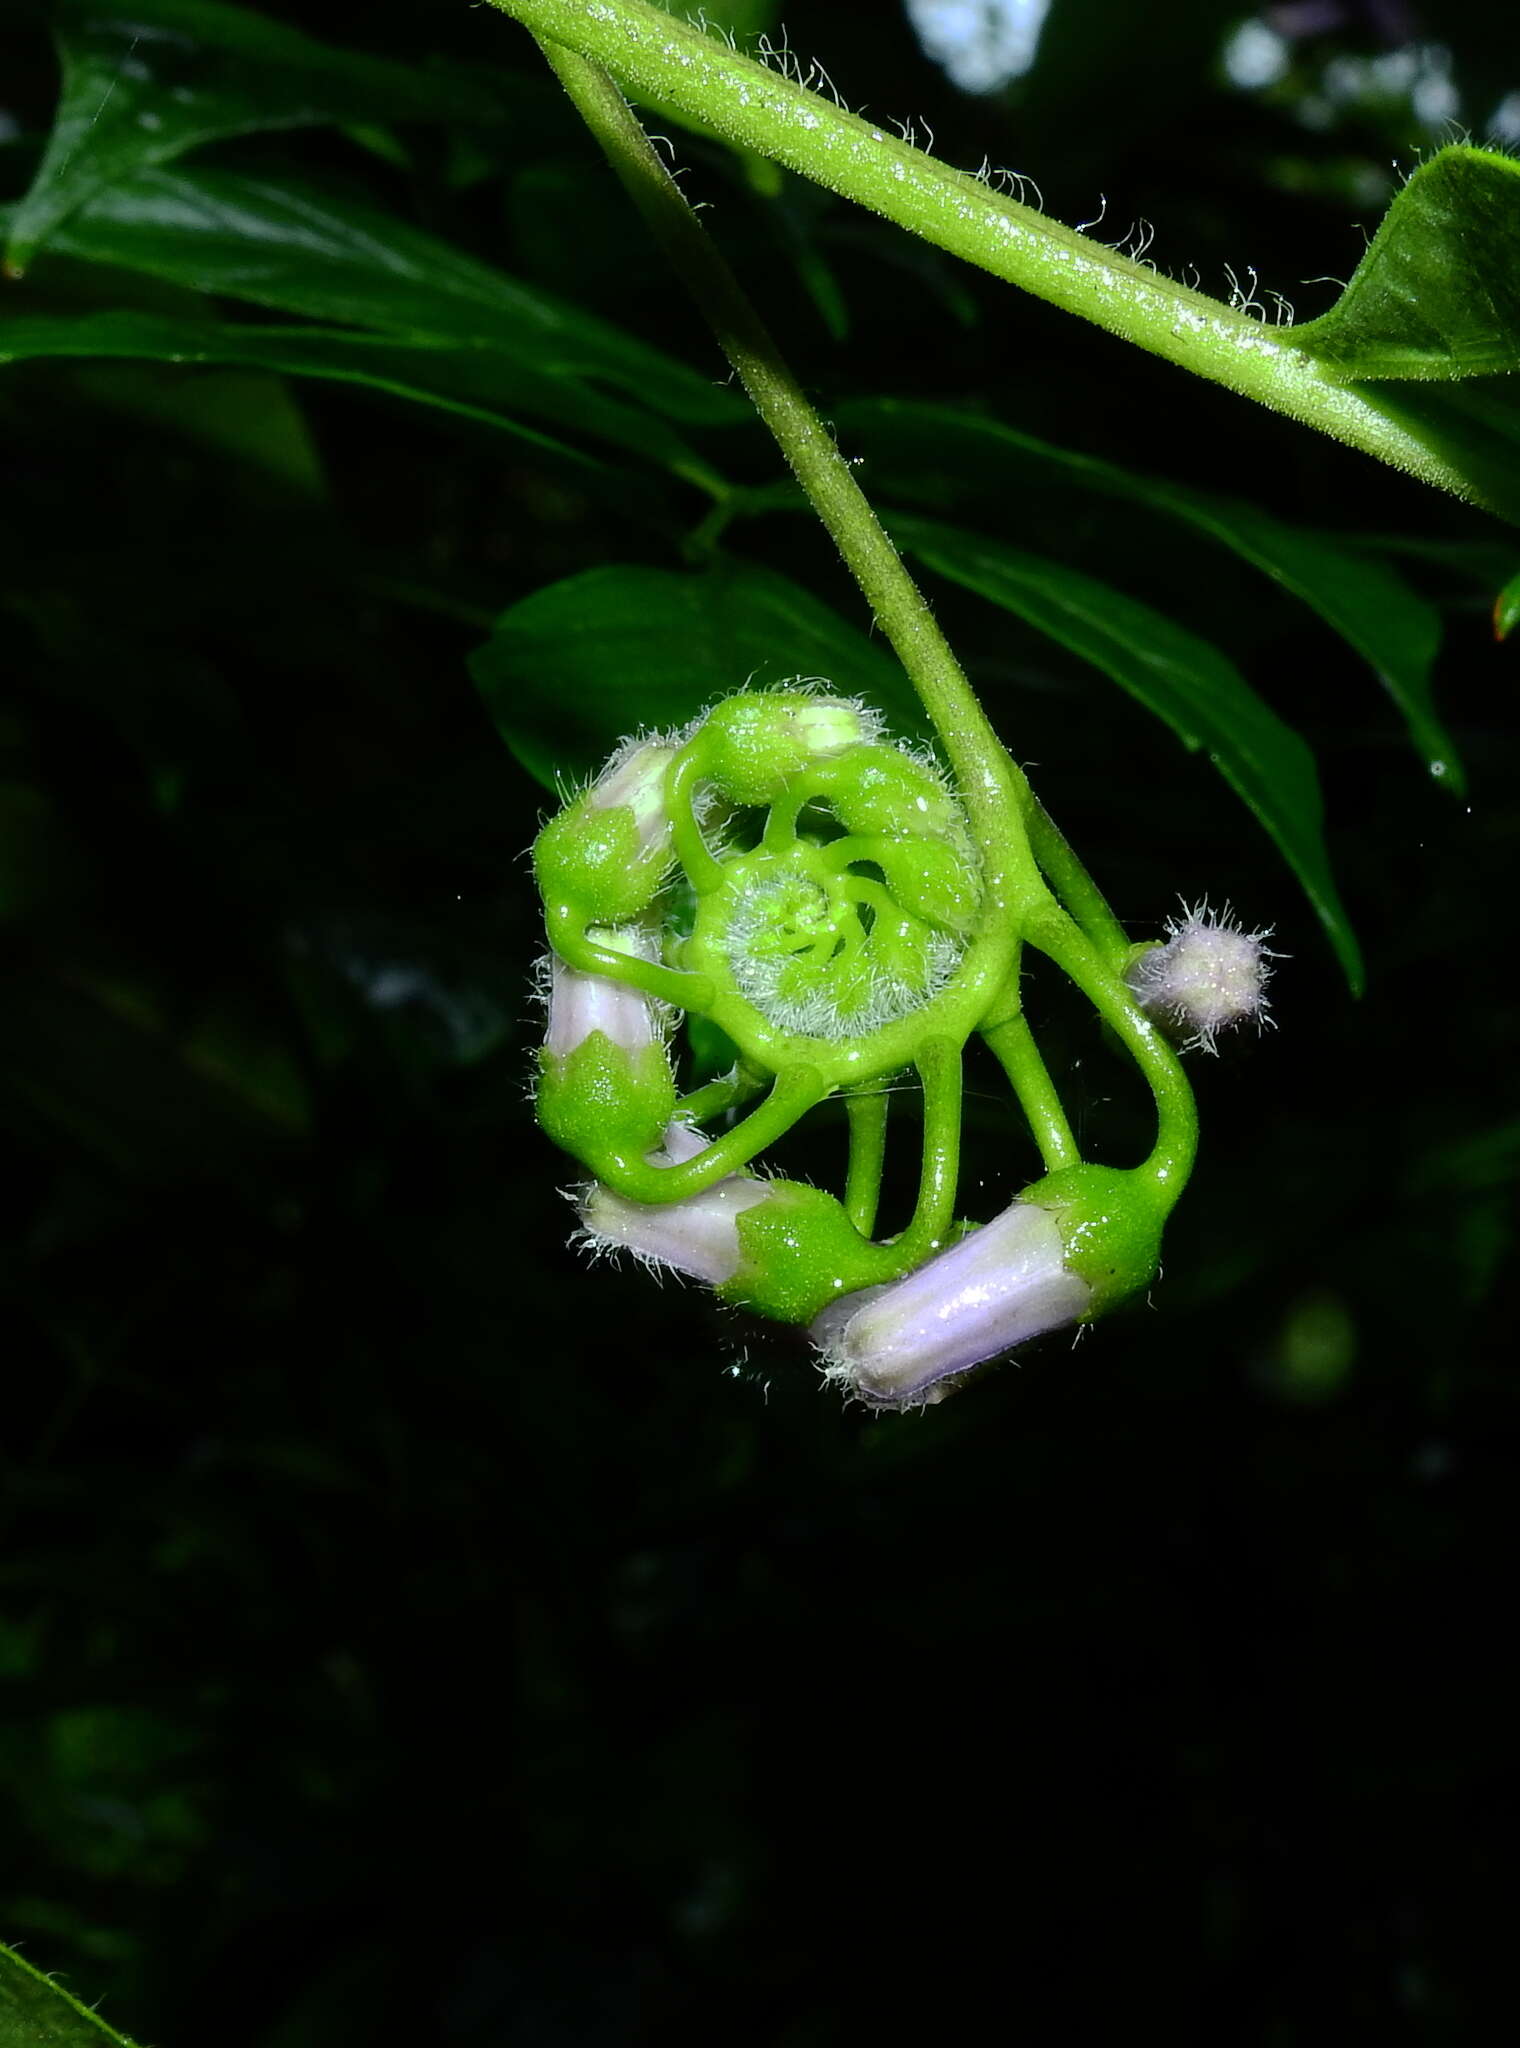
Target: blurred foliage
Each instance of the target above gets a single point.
(36, 2010)
(409, 1636)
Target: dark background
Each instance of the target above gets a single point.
(410, 1635)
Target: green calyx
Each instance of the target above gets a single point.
(607, 1105)
(1110, 1222)
(605, 856)
(592, 861)
(800, 1252)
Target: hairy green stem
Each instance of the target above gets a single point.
(992, 788)
(659, 57)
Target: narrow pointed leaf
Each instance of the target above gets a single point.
(1185, 681)
(1472, 426)
(280, 244)
(146, 80)
(470, 383)
(914, 450)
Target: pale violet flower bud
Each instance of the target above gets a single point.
(1210, 974)
(582, 1003)
(698, 1237)
(901, 1346)
(605, 1089)
(635, 779)
(604, 858)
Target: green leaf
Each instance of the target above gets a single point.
(1195, 688)
(1438, 292)
(925, 452)
(472, 383)
(1470, 1165)
(571, 669)
(106, 1066)
(1473, 427)
(1507, 609)
(37, 2013)
(39, 859)
(281, 244)
(1480, 562)
(246, 415)
(145, 81)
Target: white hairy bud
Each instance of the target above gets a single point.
(1210, 974)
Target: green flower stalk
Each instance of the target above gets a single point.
(847, 910)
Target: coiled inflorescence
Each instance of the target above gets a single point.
(826, 902)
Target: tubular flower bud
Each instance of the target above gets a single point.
(582, 1003)
(635, 779)
(605, 1088)
(757, 739)
(903, 1345)
(606, 855)
(698, 1236)
(893, 789)
(1210, 974)
(1069, 1248)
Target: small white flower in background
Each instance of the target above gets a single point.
(1211, 974)
(582, 1003)
(901, 1346)
(698, 1237)
(983, 44)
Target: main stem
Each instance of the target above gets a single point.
(662, 58)
(995, 792)
(993, 789)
